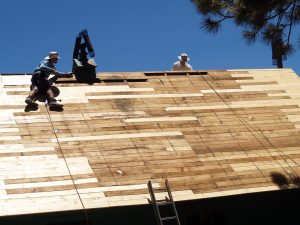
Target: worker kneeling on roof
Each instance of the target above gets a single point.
(40, 80)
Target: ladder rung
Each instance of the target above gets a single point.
(164, 203)
(161, 189)
(169, 218)
(160, 200)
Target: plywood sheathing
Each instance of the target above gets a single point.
(223, 133)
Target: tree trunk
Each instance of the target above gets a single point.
(279, 62)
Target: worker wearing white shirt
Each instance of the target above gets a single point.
(182, 64)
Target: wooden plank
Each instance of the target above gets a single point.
(160, 119)
(117, 136)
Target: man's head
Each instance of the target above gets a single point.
(183, 57)
(53, 57)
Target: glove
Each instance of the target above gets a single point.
(69, 75)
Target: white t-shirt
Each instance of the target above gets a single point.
(179, 67)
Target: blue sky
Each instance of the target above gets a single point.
(133, 35)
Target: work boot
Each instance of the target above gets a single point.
(29, 101)
(52, 102)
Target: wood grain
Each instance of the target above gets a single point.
(223, 133)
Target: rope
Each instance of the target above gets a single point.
(69, 171)
(246, 124)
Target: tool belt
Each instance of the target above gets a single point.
(40, 80)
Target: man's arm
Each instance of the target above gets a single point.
(46, 67)
(55, 77)
(174, 67)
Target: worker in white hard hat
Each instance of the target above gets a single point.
(182, 64)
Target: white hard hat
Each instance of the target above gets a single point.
(184, 55)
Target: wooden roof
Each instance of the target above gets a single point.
(210, 133)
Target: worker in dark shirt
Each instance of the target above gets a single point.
(40, 80)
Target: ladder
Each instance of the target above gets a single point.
(164, 209)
